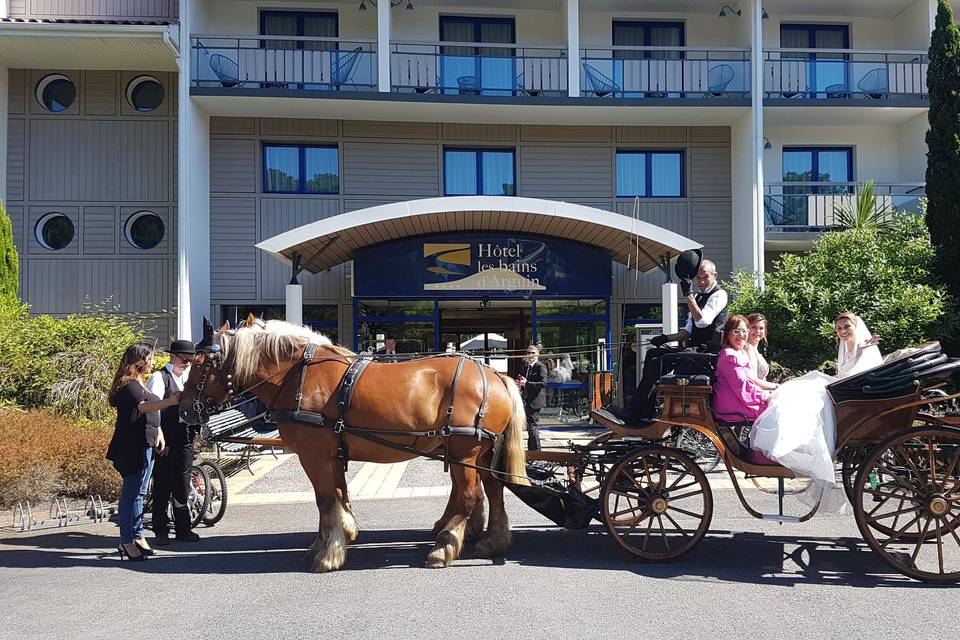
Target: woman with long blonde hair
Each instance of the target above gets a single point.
(129, 451)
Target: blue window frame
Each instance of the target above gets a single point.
(650, 174)
(818, 164)
(826, 72)
(486, 172)
(322, 24)
(485, 69)
(291, 168)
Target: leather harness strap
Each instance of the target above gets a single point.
(304, 365)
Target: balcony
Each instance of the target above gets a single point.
(808, 207)
(283, 63)
(845, 77)
(666, 73)
(470, 69)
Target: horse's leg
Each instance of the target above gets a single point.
(497, 540)
(331, 546)
(347, 519)
(448, 510)
(468, 494)
(474, 530)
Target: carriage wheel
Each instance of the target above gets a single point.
(852, 459)
(590, 472)
(657, 503)
(907, 503)
(700, 448)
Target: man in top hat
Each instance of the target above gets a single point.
(171, 471)
(707, 315)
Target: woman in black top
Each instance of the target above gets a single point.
(129, 451)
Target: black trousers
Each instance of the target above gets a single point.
(171, 479)
(533, 427)
(643, 402)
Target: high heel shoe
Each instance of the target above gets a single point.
(126, 554)
(144, 551)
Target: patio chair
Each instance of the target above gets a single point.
(600, 85)
(838, 90)
(875, 83)
(226, 70)
(468, 85)
(343, 68)
(718, 78)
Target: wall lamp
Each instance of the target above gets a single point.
(766, 144)
(393, 3)
(723, 11)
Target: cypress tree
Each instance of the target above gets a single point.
(9, 265)
(943, 147)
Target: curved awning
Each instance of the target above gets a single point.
(326, 243)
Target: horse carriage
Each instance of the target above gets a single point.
(901, 467)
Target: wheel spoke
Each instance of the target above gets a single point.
(892, 514)
(674, 522)
(899, 532)
(940, 546)
(932, 461)
(916, 550)
(635, 525)
(686, 495)
(685, 512)
(949, 471)
(875, 492)
(695, 483)
(895, 477)
(663, 532)
(906, 458)
(646, 536)
(663, 477)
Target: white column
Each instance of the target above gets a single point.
(193, 197)
(756, 92)
(573, 47)
(669, 302)
(294, 299)
(383, 46)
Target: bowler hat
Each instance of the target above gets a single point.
(688, 263)
(181, 346)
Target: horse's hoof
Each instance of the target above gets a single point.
(484, 549)
(330, 562)
(437, 527)
(437, 559)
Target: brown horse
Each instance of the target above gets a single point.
(401, 397)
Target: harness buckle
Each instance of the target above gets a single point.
(338, 426)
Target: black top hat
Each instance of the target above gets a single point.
(688, 264)
(181, 346)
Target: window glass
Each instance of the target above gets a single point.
(145, 94)
(631, 174)
(498, 173)
(665, 172)
(570, 308)
(460, 173)
(56, 93)
(55, 231)
(145, 230)
(322, 170)
(650, 174)
(282, 169)
(394, 308)
(479, 172)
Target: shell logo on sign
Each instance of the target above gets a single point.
(456, 259)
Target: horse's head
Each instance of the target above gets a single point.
(210, 383)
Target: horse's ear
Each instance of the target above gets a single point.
(207, 330)
(225, 326)
(251, 319)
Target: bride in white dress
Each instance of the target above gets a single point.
(798, 428)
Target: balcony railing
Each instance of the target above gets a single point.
(665, 72)
(267, 62)
(467, 68)
(809, 206)
(819, 74)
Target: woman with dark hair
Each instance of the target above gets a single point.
(758, 334)
(131, 454)
(738, 393)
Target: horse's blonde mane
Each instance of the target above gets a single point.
(275, 341)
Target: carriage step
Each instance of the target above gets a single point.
(779, 518)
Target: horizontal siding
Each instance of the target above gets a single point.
(652, 134)
(100, 93)
(628, 285)
(16, 158)
(16, 91)
(100, 230)
(673, 215)
(355, 205)
(233, 257)
(709, 175)
(16, 217)
(298, 127)
(282, 214)
(62, 286)
(493, 132)
(710, 134)
(132, 9)
(398, 130)
(239, 126)
(542, 133)
(566, 172)
(712, 227)
(233, 166)
(390, 169)
(100, 161)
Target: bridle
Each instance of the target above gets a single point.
(206, 408)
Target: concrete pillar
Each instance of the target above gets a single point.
(193, 194)
(573, 47)
(294, 300)
(383, 46)
(669, 302)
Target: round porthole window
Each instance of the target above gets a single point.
(54, 231)
(56, 92)
(144, 93)
(144, 230)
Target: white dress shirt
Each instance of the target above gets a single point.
(714, 305)
(156, 386)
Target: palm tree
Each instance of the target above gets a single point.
(866, 211)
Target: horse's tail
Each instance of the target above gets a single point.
(514, 459)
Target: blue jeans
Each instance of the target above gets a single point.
(130, 508)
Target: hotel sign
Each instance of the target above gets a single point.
(481, 264)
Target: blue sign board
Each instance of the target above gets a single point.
(466, 265)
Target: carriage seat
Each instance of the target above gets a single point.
(695, 380)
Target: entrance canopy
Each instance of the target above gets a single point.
(326, 243)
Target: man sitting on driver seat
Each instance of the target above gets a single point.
(708, 313)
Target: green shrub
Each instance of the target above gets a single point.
(886, 277)
(9, 262)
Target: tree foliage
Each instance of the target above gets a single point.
(9, 262)
(943, 146)
(884, 276)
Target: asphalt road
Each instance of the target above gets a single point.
(247, 579)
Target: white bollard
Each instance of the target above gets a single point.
(294, 304)
(669, 301)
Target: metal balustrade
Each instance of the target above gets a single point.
(809, 206)
(470, 68)
(851, 74)
(665, 72)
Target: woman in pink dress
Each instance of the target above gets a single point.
(737, 393)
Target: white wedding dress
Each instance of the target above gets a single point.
(798, 428)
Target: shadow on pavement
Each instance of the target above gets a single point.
(722, 556)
